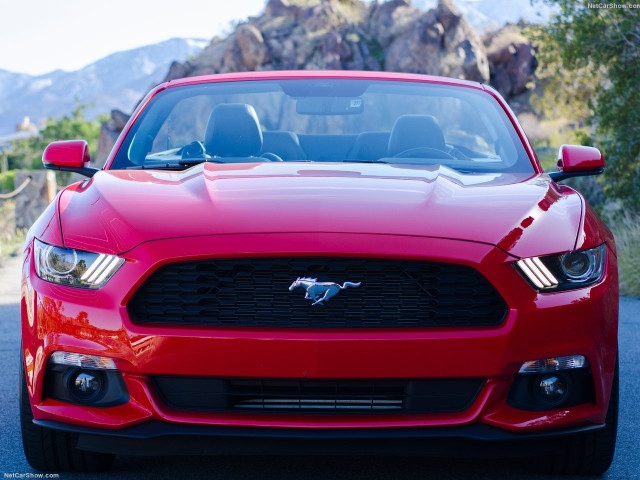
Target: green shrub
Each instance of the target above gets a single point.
(7, 183)
(627, 233)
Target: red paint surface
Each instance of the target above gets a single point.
(485, 221)
(578, 158)
(538, 326)
(67, 153)
(509, 210)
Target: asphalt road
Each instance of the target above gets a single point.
(626, 465)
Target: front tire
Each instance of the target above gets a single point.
(591, 453)
(52, 450)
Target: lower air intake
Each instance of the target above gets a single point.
(314, 396)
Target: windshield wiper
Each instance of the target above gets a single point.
(364, 161)
(189, 162)
(179, 165)
(153, 166)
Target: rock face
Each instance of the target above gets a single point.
(352, 35)
(348, 35)
(109, 132)
(512, 60)
(32, 201)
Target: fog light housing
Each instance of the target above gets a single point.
(552, 383)
(553, 388)
(84, 379)
(86, 385)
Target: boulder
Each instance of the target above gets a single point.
(250, 46)
(109, 132)
(439, 42)
(38, 193)
(512, 60)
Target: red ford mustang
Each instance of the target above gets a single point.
(320, 262)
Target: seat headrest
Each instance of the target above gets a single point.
(233, 130)
(370, 146)
(285, 144)
(415, 131)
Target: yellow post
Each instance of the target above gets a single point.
(52, 189)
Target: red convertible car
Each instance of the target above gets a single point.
(320, 262)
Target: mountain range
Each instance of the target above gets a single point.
(116, 81)
(488, 15)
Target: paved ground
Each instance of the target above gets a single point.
(626, 464)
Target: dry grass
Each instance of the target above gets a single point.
(11, 239)
(627, 233)
(12, 245)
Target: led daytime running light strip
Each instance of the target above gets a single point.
(535, 271)
(104, 266)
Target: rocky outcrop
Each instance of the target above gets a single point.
(352, 35)
(512, 59)
(32, 201)
(348, 35)
(109, 132)
(439, 42)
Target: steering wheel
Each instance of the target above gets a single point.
(272, 157)
(194, 150)
(423, 152)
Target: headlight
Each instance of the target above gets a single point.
(566, 271)
(74, 268)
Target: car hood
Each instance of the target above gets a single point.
(523, 214)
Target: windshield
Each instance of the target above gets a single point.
(324, 120)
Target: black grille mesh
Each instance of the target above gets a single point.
(317, 396)
(255, 292)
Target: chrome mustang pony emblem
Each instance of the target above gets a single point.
(320, 291)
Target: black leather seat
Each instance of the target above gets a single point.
(284, 144)
(415, 131)
(369, 146)
(233, 130)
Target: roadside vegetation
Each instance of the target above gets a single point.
(588, 76)
(27, 155)
(627, 233)
(11, 239)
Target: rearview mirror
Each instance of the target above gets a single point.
(576, 161)
(69, 156)
(329, 106)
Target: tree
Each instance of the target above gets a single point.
(28, 153)
(595, 53)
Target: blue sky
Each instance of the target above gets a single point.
(38, 36)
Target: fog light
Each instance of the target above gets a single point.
(553, 388)
(85, 385)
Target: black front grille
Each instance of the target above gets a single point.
(255, 292)
(310, 396)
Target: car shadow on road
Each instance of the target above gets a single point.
(318, 467)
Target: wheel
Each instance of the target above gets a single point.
(591, 453)
(52, 450)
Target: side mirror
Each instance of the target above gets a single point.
(577, 161)
(69, 156)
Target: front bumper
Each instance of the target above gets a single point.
(582, 322)
(158, 438)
